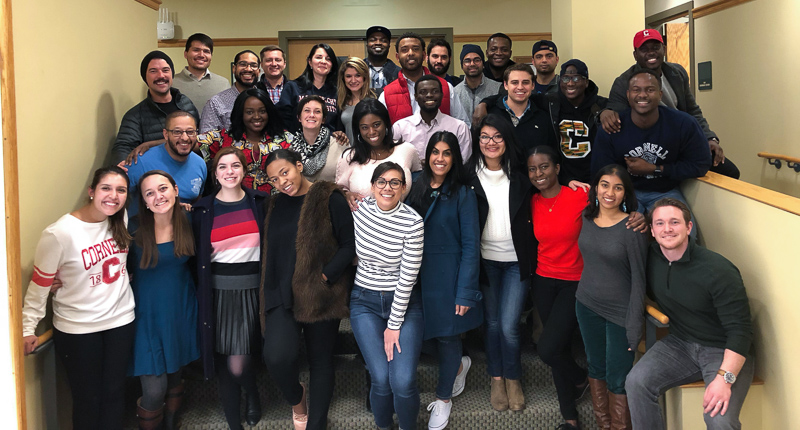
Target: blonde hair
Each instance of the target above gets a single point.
(345, 96)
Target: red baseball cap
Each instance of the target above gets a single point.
(645, 35)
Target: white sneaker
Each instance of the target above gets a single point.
(461, 378)
(440, 415)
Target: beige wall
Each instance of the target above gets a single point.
(513, 16)
(254, 18)
(77, 72)
(753, 104)
(762, 242)
(599, 33)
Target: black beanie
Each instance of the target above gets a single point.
(152, 56)
(474, 49)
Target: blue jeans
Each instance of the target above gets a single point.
(503, 298)
(648, 198)
(672, 362)
(447, 349)
(394, 383)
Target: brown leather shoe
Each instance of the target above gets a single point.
(149, 420)
(516, 400)
(620, 414)
(499, 398)
(599, 391)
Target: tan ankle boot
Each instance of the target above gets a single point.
(599, 391)
(516, 400)
(499, 398)
(620, 414)
(149, 420)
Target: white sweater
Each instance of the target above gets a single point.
(96, 293)
(496, 242)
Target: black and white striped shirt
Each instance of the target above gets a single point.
(389, 250)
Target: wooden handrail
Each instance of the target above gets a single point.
(44, 337)
(657, 314)
(772, 156)
(768, 197)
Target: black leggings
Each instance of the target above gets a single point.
(235, 373)
(555, 301)
(96, 365)
(282, 353)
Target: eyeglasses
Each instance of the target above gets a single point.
(497, 138)
(245, 64)
(477, 60)
(574, 78)
(393, 184)
(178, 133)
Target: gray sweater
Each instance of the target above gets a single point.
(613, 281)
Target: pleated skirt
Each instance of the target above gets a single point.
(238, 327)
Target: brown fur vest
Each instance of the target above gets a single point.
(315, 245)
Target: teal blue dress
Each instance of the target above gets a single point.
(166, 313)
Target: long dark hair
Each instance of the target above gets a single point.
(306, 79)
(455, 177)
(146, 234)
(116, 222)
(274, 125)
(512, 159)
(361, 149)
(631, 202)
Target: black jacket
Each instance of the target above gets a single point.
(519, 209)
(145, 122)
(679, 80)
(533, 129)
(202, 222)
(390, 72)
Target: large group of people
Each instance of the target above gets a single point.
(243, 220)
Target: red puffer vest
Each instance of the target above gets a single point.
(398, 100)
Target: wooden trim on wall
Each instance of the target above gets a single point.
(263, 41)
(481, 38)
(152, 4)
(754, 192)
(716, 6)
(11, 181)
(224, 41)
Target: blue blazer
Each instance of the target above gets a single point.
(451, 263)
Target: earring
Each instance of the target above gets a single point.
(624, 207)
(596, 202)
(91, 197)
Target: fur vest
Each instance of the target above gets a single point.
(315, 245)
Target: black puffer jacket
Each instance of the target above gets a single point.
(144, 122)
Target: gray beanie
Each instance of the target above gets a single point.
(152, 56)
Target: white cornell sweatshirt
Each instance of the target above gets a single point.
(96, 293)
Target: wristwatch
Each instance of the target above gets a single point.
(728, 377)
(659, 171)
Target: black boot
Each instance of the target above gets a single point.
(253, 413)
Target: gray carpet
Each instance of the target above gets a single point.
(471, 410)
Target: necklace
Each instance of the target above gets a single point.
(554, 202)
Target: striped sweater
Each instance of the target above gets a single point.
(389, 250)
